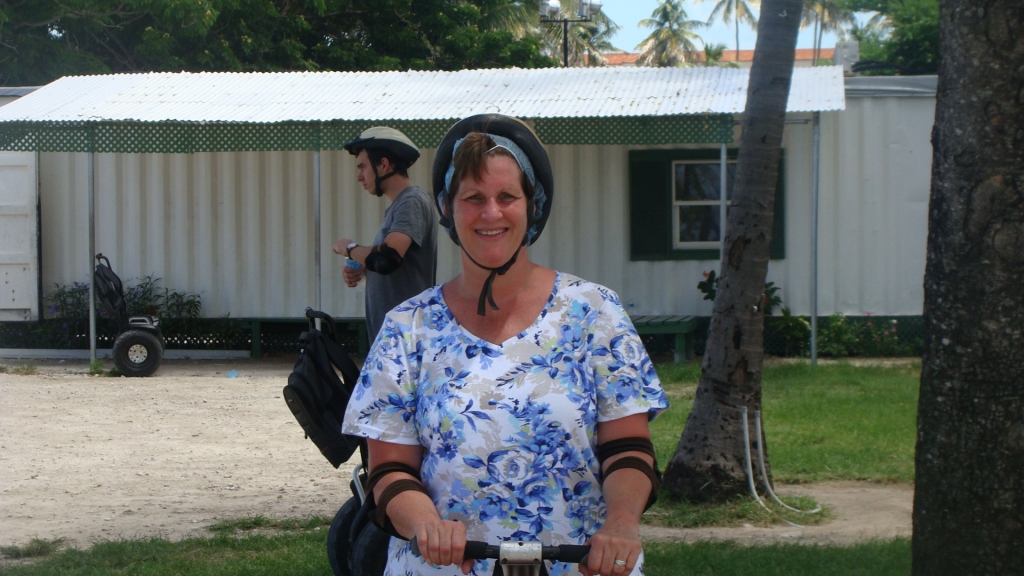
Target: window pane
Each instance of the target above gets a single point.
(701, 181)
(695, 182)
(698, 224)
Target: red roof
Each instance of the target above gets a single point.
(805, 54)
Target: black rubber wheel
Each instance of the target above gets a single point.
(370, 551)
(137, 353)
(337, 538)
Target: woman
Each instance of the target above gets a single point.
(501, 424)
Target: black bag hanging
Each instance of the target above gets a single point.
(315, 393)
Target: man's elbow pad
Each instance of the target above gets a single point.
(383, 259)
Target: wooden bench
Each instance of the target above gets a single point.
(681, 326)
(255, 326)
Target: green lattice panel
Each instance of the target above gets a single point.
(636, 130)
(256, 137)
(182, 137)
(423, 133)
(142, 137)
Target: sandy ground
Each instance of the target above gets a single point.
(91, 458)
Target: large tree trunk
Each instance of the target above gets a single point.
(969, 497)
(708, 461)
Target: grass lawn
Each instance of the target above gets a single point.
(832, 422)
(301, 553)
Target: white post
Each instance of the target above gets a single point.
(814, 238)
(92, 254)
(316, 228)
(722, 211)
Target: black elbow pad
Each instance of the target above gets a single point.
(383, 259)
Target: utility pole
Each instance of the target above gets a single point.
(550, 9)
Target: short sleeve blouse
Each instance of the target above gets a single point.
(509, 430)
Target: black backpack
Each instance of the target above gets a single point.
(317, 396)
(109, 290)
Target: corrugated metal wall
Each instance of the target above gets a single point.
(237, 227)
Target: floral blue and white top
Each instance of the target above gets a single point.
(509, 430)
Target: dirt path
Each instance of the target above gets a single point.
(90, 459)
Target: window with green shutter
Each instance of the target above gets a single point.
(675, 202)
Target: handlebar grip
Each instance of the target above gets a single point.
(475, 549)
(568, 553)
(480, 550)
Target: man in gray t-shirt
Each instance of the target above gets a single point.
(402, 262)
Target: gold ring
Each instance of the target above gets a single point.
(620, 562)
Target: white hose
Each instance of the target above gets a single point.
(746, 460)
(764, 474)
(750, 470)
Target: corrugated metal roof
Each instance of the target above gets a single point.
(892, 86)
(326, 96)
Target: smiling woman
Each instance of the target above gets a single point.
(528, 421)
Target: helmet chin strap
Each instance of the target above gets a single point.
(378, 179)
(486, 295)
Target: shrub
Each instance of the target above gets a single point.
(792, 333)
(67, 324)
(838, 337)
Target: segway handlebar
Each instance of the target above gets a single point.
(476, 550)
(316, 314)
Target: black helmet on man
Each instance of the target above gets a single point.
(381, 141)
(519, 140)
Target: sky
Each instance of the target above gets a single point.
(628, 13)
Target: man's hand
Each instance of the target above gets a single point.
(341, 245)
(352, 275)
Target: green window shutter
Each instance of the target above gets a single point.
(650, 221)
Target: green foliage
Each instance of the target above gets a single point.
(67, 325)
(96, 367)
(264, 523)
(878, 558)
(841, 336)
(793, 332)
(772, 300)
(36, 548)
(709, 287)
(42, 40)
(830, 422)
(25, 370)
(912, 42)
(671, 43)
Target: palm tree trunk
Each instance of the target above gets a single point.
(814, 40)
(709, 460)
(969, 487)
(821, 37)
(737, 18)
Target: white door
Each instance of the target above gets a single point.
(19, 237)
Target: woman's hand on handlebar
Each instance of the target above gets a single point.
(615, 541)
(443, 542)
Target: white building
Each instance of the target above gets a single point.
(208, 181)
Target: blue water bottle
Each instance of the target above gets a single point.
(361, 285)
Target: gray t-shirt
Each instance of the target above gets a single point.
(412, 213)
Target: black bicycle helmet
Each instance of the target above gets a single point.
(537, 166)
(389, 140)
